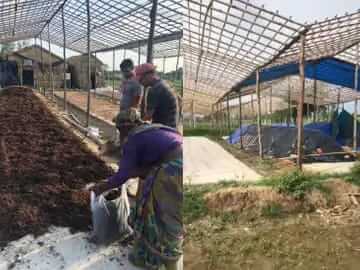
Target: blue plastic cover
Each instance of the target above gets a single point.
(330, 70)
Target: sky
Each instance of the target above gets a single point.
(310, 10)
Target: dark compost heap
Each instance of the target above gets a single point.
(43, 168)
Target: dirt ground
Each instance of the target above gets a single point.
(43, 168)
(99, 106)
(258, 229)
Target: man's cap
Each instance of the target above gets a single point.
(127, 65)
(143, 69)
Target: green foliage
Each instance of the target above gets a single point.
(297, 184)
(194, 206)
(272, 210)
(354, 176)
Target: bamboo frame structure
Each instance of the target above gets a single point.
(88, 62)
(259, 121)
(64, 57)
(116, 24)
(300, 116)
(356, 85)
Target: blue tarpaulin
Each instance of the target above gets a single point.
(330, 70)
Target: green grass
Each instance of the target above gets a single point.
(354, 175)
(272, 210)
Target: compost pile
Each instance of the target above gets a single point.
(43, 169)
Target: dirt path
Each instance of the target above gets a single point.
(99, 106)
(207, 162)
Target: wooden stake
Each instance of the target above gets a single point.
(300, 118)
(261, 154)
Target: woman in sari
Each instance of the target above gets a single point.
(153, 153)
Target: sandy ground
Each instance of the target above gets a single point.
(329, 168)
(99, 106)
(207, 162)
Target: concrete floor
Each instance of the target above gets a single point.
(207, 162)
(60, 249)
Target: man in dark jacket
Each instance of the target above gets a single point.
(161, 103)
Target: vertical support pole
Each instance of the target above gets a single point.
(315, 100)
(95, 75)
(177, 61)
(113, 78)
(153, 14)
(139, 54)
(338, 101)
(252, 106)
(50, 66)
(356, 84)
(261, 154)
(288, 119)
(300, 119)
(164, 61)
(64, 56)
(41, 62)
(88, 63)
(124, 55)
(240, 120)
(228, 113)
(193, 113)
(212, 117)
(271, 104)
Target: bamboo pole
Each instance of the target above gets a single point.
(95, 75)
(139, 53)
(315, 100)
(153, 14)
(240, 120)
(301, 104)
(261, 154)
(50, 66)
(288, 120)
(271, 104)
(89, 63)
(356, 84)
(42, 62)
(64, 56)
(177, 61)
(113, 78)
(228, 114)
(193, 113)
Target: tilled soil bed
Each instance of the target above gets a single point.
(43, 169)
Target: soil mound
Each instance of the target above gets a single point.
(255, 199)
(43, 167)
